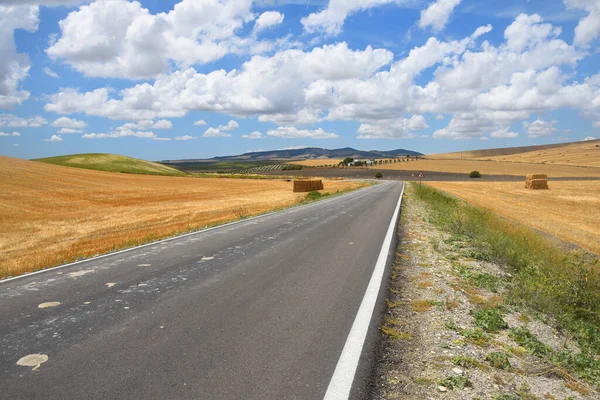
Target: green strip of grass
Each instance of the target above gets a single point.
(563, 284)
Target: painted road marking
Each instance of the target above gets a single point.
(343, 376)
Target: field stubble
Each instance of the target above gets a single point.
(51, 214)
(569, 210)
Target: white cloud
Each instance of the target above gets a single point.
(482, 30)
(221, 131)
(10, 134)
(121, 39)
(437, 14)
(51, 73)
(162, 139)
(290, 132)
(268, 19)
(122, 133)
(253, 135)
(64, 122)
(69, 131)
(504, 133)
(186, 137)
(54, 138)
(588, 28)
(331, 19)
(200, 123)
(16, 145)
(539, 128)
(588, 138)
(481, 87)
(14, 67)
(19, 122)
(399, 128)
(145, 125)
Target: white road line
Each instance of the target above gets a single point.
(185, 235)
(343, 376)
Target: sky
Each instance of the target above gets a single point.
(161, 79)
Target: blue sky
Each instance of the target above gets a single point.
(200, 78)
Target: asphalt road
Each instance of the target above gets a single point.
(260, 309)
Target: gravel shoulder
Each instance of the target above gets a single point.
(448, 334)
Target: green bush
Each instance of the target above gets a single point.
(499, 359)
(490, 320)
(455, 382)
(475, 174)
(378, 175)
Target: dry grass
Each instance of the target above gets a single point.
(317, 162)
(580, 154)
(492, 168)
(51, 214)
(569, 210)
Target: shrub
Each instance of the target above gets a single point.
(378, 175)
(458, 382)
(314, 195)
(475, 174)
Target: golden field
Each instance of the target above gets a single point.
(570, 210)
(52, 214)
(493, 168)
(581, 154)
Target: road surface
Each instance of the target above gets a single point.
(259, 309)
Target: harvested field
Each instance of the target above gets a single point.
(52, 214)
(493, 168)
(581, 154)
(569, 210)
(317, 162)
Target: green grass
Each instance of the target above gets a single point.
(562, 284)
(112, 163)
(455, 382)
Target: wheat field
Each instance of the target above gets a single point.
(493, 168)
(570, 210)
(581, 154)
(52, 214)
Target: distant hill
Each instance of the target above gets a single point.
(303, 154)
(112, 163)
(505, 151)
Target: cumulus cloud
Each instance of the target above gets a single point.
(14, 67)
(588, 28)
(10, 134)
(291, 132)
(186, 137)
(399, 128)
(69, 131)
(200, 123)
(221, 131)
(19, 122)
(331, 19)
(120, 134)
(504, 133)
(267, 20)
(483, 88)
(253, 135)
(437, 14)
(588, 138)
(539, 128)
(122, 39)
(65, 122)
(54, 138)
(145, 125)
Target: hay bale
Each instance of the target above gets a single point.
(308, 185)
(537, 176)
(536, 181)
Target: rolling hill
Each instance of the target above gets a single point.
(112, 163)
(486, 153)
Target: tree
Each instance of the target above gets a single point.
(347, 160)
(378, 175)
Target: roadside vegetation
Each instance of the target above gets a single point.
(112, 163)
(481, 307)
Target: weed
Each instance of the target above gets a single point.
(529, 341)
(455, 382)
(423, 305)
(499, 359)
(395, 334)
(476, 336)
(490, 320)
(464, 361)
